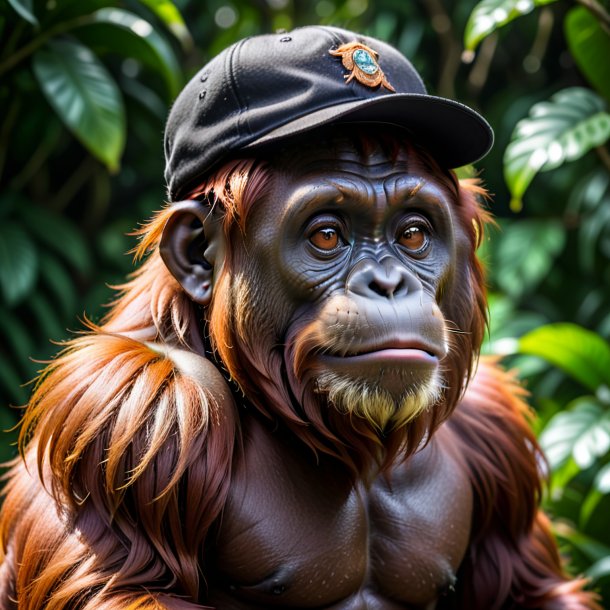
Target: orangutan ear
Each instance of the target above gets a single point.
(192, 247)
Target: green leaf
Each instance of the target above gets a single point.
(129, 35)
(25, 9)
(170, 15)
(58, 234)
(12, 384)
(563, 129)
(583, 433)
(84, 96)
(589, 200)
(562, 475)
(50, 324)
(600, 568)
(602, 480)
(18, 263)
(601, 487)
(489, 15)
(526, 252)
(579, 352)
(60, 283)
(592, 548)
(589, 44)
(16, 337)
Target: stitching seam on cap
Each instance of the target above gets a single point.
(232, 81)
(242, 107)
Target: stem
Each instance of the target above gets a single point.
(37, 158)
(72, 185)
(28, 49)
(450, 46)
(598, 10)
(480, 70)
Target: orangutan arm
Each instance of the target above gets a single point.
(513, 561)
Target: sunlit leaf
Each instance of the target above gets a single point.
(18, 262)
(583, 433)
(562, 475)
(600, 568)
(526, 252)
(122, 32)
(58, 233)
(169, 13)
(25, 9)
(602, 480)
(563, 129)
(579, 352)
(590, 47)
(601, 487)
(489, 15)
(85, 97)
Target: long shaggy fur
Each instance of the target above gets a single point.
(126, 458)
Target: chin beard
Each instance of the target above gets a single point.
(373, 403)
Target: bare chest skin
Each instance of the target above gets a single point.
(300, 535)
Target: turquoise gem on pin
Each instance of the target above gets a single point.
(365, 61)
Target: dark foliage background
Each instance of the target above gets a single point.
(85, 86)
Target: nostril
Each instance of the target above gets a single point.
(377, 289)
(386, 288)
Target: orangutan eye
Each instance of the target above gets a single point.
(414, 236)
(326, 238)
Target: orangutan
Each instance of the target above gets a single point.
(284, 407)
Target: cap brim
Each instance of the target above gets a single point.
(454, 133)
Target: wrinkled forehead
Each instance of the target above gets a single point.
(366, 151)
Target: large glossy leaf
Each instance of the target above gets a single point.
(25, 9)
(579, 352)
(168, 12)
(590, 47)
(57, 233)
(129, 35)
(489, 15)
(18, 262)
(582, 433)
(525, 253)
(85, 97)
(563, 129)
(589, 201)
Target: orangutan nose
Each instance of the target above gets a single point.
(386, 278)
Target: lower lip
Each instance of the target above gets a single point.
(390, 355)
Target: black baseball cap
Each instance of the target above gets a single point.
(265, 89)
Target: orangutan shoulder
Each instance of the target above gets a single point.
(195, 366)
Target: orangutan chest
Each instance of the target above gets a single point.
(298, 535)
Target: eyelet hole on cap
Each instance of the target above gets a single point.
(286, 39)
(202, 94)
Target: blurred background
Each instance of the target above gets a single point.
(85, 86)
